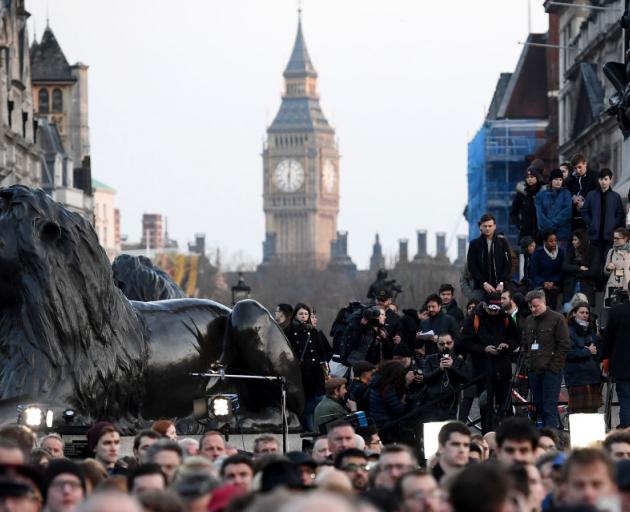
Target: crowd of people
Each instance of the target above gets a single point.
(533, 320)
(518, 468)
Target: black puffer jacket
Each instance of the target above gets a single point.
(523, 212)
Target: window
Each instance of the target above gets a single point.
(43, 100)
(57, 100)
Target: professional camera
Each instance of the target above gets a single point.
(616, 296)
(372, 316)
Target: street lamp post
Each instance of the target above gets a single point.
(240, 291)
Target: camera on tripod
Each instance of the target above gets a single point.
(616, 296)
(372, 316)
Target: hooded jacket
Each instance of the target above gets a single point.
(553, 211)
(523, 211)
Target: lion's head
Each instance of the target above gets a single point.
(67, 334)
(140, 279)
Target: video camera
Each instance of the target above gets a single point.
(357, 419)
(616, 296)
(372, 316)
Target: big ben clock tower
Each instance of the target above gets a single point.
(300, 171)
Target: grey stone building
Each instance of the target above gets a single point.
(20, 160)
(590, 36)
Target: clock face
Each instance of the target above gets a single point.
(289, 175)
(329, 176)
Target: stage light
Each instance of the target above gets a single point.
(35, 416)
(430, 434)
(586, 429)
(223, 407)
(69, 415)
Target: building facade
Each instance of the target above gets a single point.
(20, 159)
(106, 218)
(61, 107)
(590, 36)
(300, 171)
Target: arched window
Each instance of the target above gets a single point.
(43, 100)
(57, 100)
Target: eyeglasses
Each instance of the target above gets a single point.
(61, 484)
(619, 237)
(399, 467)
(353, 468)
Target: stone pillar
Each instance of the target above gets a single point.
(403, 250)
(422, 244)
(440, 245)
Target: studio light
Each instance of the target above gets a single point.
(35, 416)
(218, 407)
(430, 434)
(586, 429)
(69, 415)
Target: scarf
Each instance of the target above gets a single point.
(553, 255)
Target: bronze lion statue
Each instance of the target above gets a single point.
(69, 338)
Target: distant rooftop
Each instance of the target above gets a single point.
(99, 185)
(48, 63)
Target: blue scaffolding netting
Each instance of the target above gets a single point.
(497, 158)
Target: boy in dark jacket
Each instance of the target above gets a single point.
(602, 213)
(580, 183)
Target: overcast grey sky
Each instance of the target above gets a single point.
(181, 93)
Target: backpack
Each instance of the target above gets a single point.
(347, 322)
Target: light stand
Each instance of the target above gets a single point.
(220, 373)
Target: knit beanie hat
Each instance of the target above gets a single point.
(56, 468)
(555, 173)
(96, 431)
(535, 173)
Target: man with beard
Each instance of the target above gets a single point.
(449, 304)
(353, 462)
(437, 323)
(490, 336)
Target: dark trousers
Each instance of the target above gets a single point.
(623, 394)
(493, 408)
(603, 246)
(545, 388)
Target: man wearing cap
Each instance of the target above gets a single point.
(63, 487)
(443, 373)
(104, 440)
(333, 405)
(306, 465)
(490, 336)
(362, 372)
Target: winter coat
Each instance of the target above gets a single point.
(312, 350)
(385, 404)
(367, 345)
(616, 346)
(550, 332)
(614, 215)
(571, 273)
(492, 330)
(439, 324)
(582, 367)
(523, 211)
(493, 268)
(408, 326)
(553, 211)
(329, 409)
(453, 310)
(359, 393)
(441, 384)
(620, 277)
(542, 268)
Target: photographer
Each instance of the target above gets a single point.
(369, 340)
(617, 264)
(617, 349)
(490, 336)
(444, 372)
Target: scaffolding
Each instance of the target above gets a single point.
(497, 157)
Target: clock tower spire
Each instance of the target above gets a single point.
(300, 170)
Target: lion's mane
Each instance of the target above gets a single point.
(140, 279)
(67, 334)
